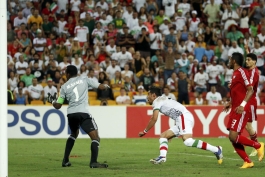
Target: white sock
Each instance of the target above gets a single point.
(163, 146)
(200, 145)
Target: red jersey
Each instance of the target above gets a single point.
(254, 81)
(238, 89)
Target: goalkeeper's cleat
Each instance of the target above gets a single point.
(158, 160)
(219, 155)
(253, 153)
(66, 164)
(247, 165)
(98, 165)
(261, 151)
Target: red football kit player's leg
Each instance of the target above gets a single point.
(253, 117)
(237, 123)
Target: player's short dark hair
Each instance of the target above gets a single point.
(252, 56)
(71, 70)
(239, 58)
(155, 90)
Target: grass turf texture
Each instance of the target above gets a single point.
(126, 158)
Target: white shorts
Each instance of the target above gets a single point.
(184, 125)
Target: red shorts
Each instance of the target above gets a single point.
(237, 122)
(253, 113)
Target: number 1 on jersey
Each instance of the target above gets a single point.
(76, 94)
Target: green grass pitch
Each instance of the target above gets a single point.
(126, 158)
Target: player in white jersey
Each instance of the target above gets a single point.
(183, 127)
(75, 91)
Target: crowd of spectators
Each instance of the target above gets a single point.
(183, 47)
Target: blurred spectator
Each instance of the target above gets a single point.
(183, 64)
(27, 77)
(21, 65)
(22, 85)
(98, 34)
(20, 98)
(234, 48)
(172, 82)
(143, 44)
(182, 88)
(82, 33)
(12, 81)
(127, 72)
(155, 40)
(123, 99)
(169, 63)
(146, 79)
(102, 77)
(117, 82)
(10, 97)
(77, 61)
(213, 98)
(62, 65)
(57, 78)
(83, 70)
(106, 94)
(200, 80)
(111, 70)
(228, 76)
(211, 11)
(49, 89)
(35, 91)
(19, 20)
(169, 7)
(140, 98)
(39, 42)
(214, 72)
(52, 69)
(199, 100)
(128, 84)
(126, 39)
(168, 94)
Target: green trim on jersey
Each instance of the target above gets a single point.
(195, 144)
(60, 100)
(156, 109)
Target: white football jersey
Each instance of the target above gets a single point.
(169, 107)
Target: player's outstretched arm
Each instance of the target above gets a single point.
(151, 123)
(96, 85)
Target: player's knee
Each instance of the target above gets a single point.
(188, 142)
(232, 138)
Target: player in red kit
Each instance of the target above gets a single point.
(241, 92)
(253, 71)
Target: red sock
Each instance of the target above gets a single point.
(241, 152)
(247, 142)
(254, 137)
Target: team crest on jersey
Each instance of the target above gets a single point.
(234, 77)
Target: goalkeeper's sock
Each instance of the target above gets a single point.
(200, 145)
(68, 148)
(247, 142)
(94, 151)
(254, 137)
(163, 146)
(240, 149)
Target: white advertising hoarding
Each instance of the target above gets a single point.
(47, 122)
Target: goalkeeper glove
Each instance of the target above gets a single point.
(50, 98)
